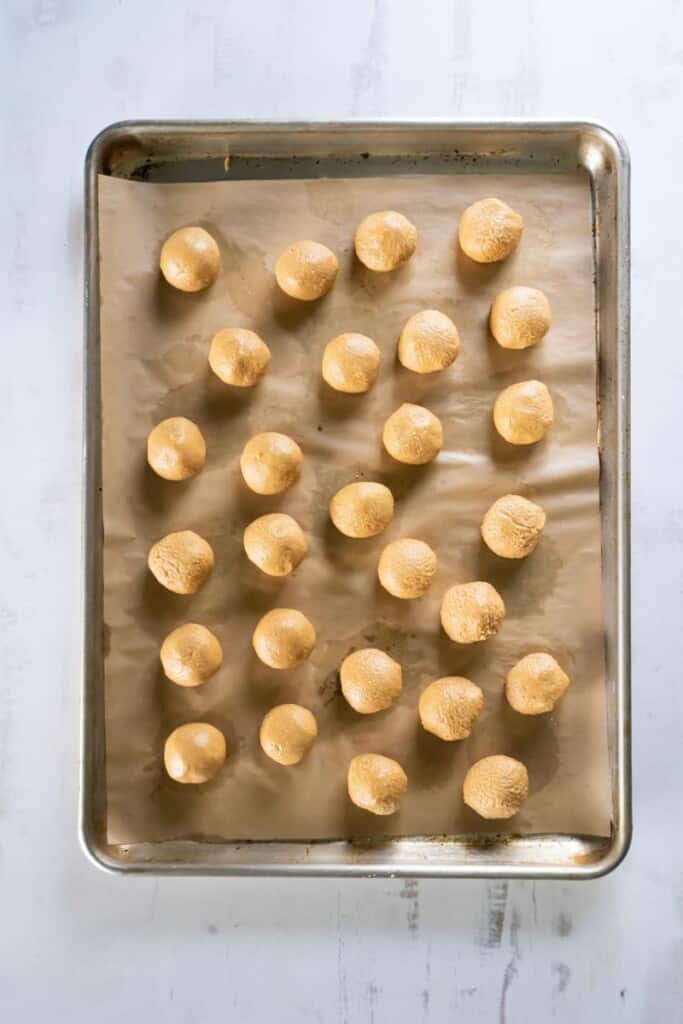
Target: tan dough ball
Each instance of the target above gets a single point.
(449, 707)
(275, 543)
(176, 449)
(238, 356)
(385, 240)
(512, 527)
(362, 509)
(194, 752)
(306, 270)
(520, 317)
(370, 680)
(406, 568)
(376, 783)
(190, 655)
(190, 259)
(287, 733)
(496, 787)
(535, 684)
(283, 638)
(429, 342)
(413, 435)
(489, 231)
(524, 412)
(471, 612)
(351, 363)
(181, 562)
(271, 463)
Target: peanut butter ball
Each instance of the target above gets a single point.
(271, 462)
(429, 342)
(385, 240)
(238, 357)
(370, 680)
(306, 270)
(181, 562)
(376, 783)
(283, 638)
(275, 543)
(496, 787)
(362, 509)
(351, 363)
(520, 317)
(287, 733)
(194, 752)
(413, 435)
(535, 684)
(190, 655)
(406, 568)
(449, 707)
(512, 527)
(471, 612)
(489, 231)
(190, 259)
(176, 449)
(524, 412)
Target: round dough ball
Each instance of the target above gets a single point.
(194, 752)
(535, 684)
(412, 435)
(385, 240)
(306, 270)
(190, 259)
(512, 527)
(238, 356)
(287, 733)
(283, 638)
(496, 787)
(429, 342)
(406, 568)
(471, 612)
(520, 317)
(376, 783)
(176, 449)
(275, 543)
(450, 707)
(370, 680)
(524, 412)
(271, 462)
(489, 231)
(190, 655)
(362, 509)
(181, 562)
(351, 363)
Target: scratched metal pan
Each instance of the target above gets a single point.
(197, 151)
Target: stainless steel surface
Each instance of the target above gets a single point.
(198, 151)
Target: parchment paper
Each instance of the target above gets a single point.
(154, 364)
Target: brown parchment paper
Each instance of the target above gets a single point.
(154, 364)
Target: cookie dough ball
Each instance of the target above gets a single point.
(376, 783)
(512, 527)
(535, 684)
(385, 240)
(176, 449)
(275, 543)
(351, 363)
(471, 612)
(287, 733)
(190, 259)
(406, 568)
(181, 562)
(520, 317)
(413, 435)
(524, 412)
(429, 342)
(489, 231)
(238, 356)
(283, 638)
(271, 463)
(306, 270)
(362, 509)
(450, 707)
(190, 655)
(496, 787)
(370, 680)
(194, 752)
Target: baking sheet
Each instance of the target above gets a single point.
(154, 364)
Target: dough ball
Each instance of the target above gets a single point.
(471, 612)
(306, 270)
(535, 684)
(190, 259)
(428, 342)
(489, 231)
(450, 707)
(238, 356)
(190, 655)
(287, 733)
(283, 638)
(512, 527)
(406, 568)
(496, 787)
(271, 463)
(520, 317)
(181, 562)
(385, 240)
(194, 752)
(413, 435)
(176, 449)
(376, 783)
(370, 680)
(362, 509)
(523, 413)
(275, 543)
(351, 363)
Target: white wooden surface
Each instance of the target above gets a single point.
(78, 945)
